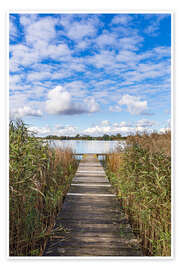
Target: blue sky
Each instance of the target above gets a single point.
(90, 73)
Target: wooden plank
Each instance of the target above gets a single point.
(91, 222)
(90, 190)
(92, 252)
(90, 180)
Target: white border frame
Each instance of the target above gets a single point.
(95, 11)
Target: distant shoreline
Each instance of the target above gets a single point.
(82, 139)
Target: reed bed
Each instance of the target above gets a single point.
(39, 178)
(141, 176)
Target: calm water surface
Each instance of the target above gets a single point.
(82, 146)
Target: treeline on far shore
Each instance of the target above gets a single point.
(105, 137)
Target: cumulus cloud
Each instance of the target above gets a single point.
(124, 128)
(57, 130)
(92, 105)
(109, 129)
(105, 127)
(134, 104)
(97, 130)
(24, 111)
(60, 102)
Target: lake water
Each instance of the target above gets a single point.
(83, 147)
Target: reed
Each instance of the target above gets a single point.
(141, 176)
(39, 178)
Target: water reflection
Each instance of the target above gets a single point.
(90, 147)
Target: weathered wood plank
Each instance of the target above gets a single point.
(93, 251)
(94, 190)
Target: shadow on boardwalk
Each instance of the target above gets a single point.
(91, 222)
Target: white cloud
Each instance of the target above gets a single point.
(115, 108)
(109, 129)
(105, 127)
(27, 19)
(23, 55)
(106, 39)
(14, 81)
(154, 25)
(121, 19)
(145, 123)
(162, 51)
(103, 59)
(37, 76)
(122, 124)
(83, 44)
(79, 30)
(65, 131)
(60, 102)
(76, 88)
(105, 123)
(92, 105)
(97, 130)
(123, 127)
(41, 30)
(40, 36)
(24, 111)
(57, 130)
(127, 56)
(130, 43)
(40, 130)
(134, 104)
(56, 51)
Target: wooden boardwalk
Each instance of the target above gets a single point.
(91, 222)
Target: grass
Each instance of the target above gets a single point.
(141, 176)
(39, 178)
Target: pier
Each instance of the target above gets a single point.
(92, 221)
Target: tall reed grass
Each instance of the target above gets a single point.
(141, 176)
(39, 178)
